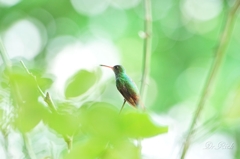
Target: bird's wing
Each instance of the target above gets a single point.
(129, 92)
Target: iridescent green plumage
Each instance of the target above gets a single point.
(125, 85)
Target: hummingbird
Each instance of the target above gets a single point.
(125, 86)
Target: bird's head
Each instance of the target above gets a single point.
(118, 69)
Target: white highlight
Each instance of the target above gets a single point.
(23, 39)
(201, 10)
(9, 3)
(90, 7)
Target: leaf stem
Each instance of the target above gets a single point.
(210, 81)
(147, 47)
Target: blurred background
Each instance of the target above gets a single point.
(67, 41)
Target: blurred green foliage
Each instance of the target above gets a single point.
(99, 129)
(185, 37)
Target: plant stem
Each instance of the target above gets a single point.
(4, 57)
(147, 47)
(5, 144)
(47, 98)
(209, 83)
(28, 146)
(7, 62)
(8, 65)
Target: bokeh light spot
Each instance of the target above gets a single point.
(173, 27)
(160, 8)
(125, 4)
(201, 10)
(9, 3)
(90, 7)
(111, 23)
(24, 39)
(190, 82)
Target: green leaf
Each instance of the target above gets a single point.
(28, 118)
(24, 89)
(140, 125)
(23, 85)
(4, 85)
(65, 124)
(102, 120)
(44, 83)
(90, 148)
(65, 121)
(79, 83)
(123, 149)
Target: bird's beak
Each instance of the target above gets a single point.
(107, 66)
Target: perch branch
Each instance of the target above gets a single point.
(147, 48)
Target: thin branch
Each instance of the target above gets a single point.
(48, 100)
(210, 82)
(147, 48)
(7, 62)
(202, 135)
(34, 77)
(205, 124)
(4, 57)
(47, 97)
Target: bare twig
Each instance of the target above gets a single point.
(48, 100)
(46, 97)
(34, 77)
(147, 47)
(209, 84)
